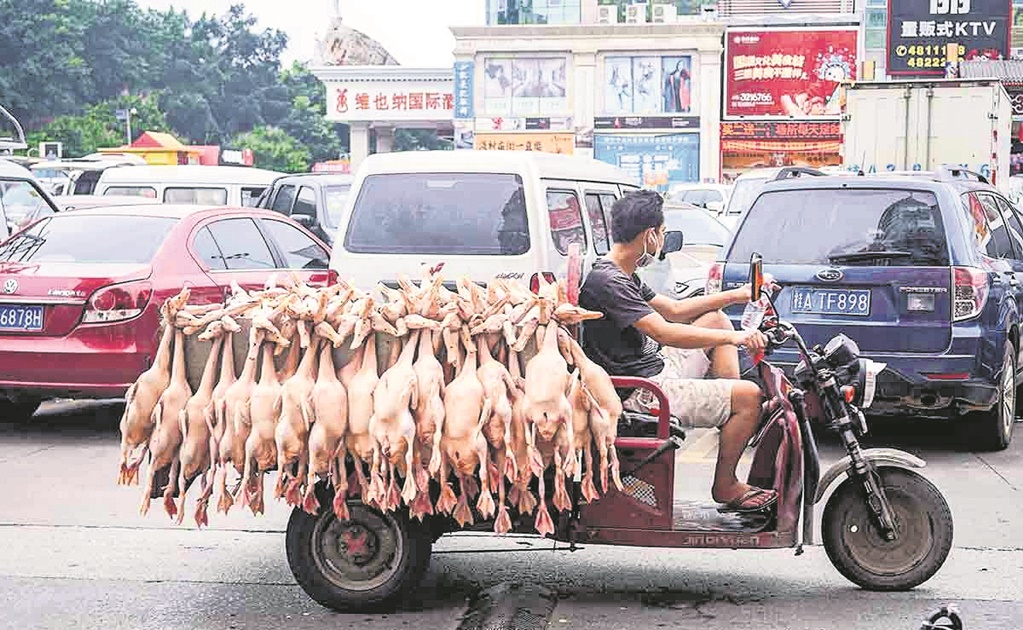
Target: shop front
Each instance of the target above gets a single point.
(761, 144)
(543, 134)
(783, 96)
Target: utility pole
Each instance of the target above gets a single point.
(127, 121)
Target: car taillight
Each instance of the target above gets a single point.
(332, 277)
(970, 287)
(534, 282)
(714, 278)
(117, 302)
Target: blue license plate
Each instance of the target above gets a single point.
(20, 317)
(831, 301)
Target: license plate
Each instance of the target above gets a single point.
(831, 301)
(20, 317)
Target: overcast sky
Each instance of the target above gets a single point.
(414, 31)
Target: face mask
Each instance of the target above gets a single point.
(646, 258)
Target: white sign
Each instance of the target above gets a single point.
(391, 100)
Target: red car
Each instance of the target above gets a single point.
(80, 292)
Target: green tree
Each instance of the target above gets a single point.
(420, 140)
(98, 126)
(306, 118)
(274, 149)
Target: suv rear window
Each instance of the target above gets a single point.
(75, 238)
(440, 213)
(844, 226)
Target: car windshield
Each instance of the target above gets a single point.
(76, 238)
(847, 226)
(22, 202)
(697, 226)
(743, 194)
(335, 199)
(440, 213)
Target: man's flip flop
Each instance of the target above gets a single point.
(747, 504)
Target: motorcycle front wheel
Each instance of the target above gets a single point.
(923, 521)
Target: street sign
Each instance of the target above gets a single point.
(121, 114)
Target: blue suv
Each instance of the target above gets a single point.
(924, 271)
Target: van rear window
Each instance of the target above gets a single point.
(195, 196)
(440, 213)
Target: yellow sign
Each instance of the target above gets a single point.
(546, 142)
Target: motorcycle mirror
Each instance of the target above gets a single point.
(672, 242)
(756, 276)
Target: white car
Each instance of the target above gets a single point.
(683, 274)
(22, 199)
(711, 197)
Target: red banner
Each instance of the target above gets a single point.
(793, 73)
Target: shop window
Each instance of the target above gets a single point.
(566, 220)
(525, 86)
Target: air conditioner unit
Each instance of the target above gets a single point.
(665, 13)
(635, 13)
(607, 14)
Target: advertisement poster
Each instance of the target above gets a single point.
(525, 86)
(919, 32)
(748, 145)
(464, 72)
(648, 85)
(788, 72)
(654, 160)
(545, 142)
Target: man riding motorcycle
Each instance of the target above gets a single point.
(688, 347)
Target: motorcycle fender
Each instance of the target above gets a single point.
(877, 456)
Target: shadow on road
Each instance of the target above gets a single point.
(71, 417)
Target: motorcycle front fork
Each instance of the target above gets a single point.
(864, 473)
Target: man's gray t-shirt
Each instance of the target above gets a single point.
(614, 342)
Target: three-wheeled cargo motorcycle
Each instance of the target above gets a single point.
(884, 526)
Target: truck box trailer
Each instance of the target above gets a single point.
(921, 125)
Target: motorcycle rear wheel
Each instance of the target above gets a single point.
(923, 521)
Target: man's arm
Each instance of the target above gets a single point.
(696, 337)
(687, 310)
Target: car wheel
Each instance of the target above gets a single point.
(992, 429)
(18, 411)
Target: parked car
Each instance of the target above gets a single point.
(189, 183)
(78, 177)
(22, 199)
(78, 202)
(921, 270)
(316, 200)
(683, 274)
(84, 289)
(711, 197)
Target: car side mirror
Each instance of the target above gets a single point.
(717, 207)
(756, 276)
(304, 220)
(672, 243)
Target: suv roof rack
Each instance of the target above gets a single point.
(789, 172)
(949, 171)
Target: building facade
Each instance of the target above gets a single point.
(645, 97)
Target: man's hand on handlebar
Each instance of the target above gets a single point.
(744, 293)
(752, 340)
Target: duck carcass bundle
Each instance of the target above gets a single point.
(480, 389)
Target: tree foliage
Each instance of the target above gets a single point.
(274, 149)
(68, 64)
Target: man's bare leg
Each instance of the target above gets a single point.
(735, 434)
(724, 360)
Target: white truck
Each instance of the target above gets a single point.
(920, 125)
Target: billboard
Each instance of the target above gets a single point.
(648, 85)
(654, 160)
(791, 73)
(525, 86)
(380, 101)
(919, 32)
(543, 142)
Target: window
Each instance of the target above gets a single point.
(841, 225)
(138, 191)
(299, 251)
(74, 238)
(525, 86)
(250, 196)
(336, 196)
(22, 202)
(598, 225)
(996, 244)
(283, 199)
(566, 220)
(242, 244)
(698, 227)
(1015, 228)
(206, 248)
(305, 203)
(196, 196)
(439, 213)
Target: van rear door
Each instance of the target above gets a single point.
(476, 224)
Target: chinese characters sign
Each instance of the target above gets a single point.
(788, 72)
(544, 142)
(749, 130)
(655, 160)
(464, 87)
(919, 32)
(386, 101)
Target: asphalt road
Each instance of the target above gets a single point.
(74, 553)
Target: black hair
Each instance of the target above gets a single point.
(636, 211)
